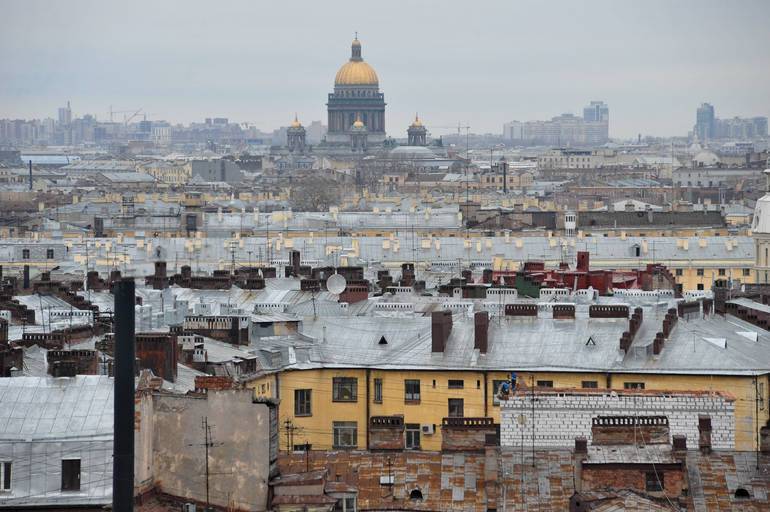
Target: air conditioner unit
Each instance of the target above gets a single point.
(428, 430)
(188, 507)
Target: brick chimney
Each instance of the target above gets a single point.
(440, 328)
(704, 433)
(583, 261)
(481, 331)
(294, 262)
(679, 443)
(581, 445)
(160, 269)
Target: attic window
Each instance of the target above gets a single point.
(590, 341)
(741, 493)
(416, 494)
(383, 341)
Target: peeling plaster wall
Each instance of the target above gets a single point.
(238, 461)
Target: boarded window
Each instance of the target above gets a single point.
(456, 384)
(589, 384)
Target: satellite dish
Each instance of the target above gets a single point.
(336, 284)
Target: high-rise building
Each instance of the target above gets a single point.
(65, 115)
(705, 122)
(565, 130)
(596, 111)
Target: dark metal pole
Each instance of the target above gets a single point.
(30, 174)
(123, 451)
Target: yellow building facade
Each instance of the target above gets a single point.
(392, 392)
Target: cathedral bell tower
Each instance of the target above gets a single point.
(295, 136)
(417, 134)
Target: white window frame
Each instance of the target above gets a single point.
(3, 465)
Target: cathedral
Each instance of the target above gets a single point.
(356, 100)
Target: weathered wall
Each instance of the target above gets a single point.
(239, 460)
(560, 417)
(630, 477)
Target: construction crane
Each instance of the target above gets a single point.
(126, 119)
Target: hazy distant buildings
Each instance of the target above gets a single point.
(565, 130)
(704, 122)
(709, 127)
(65, 115)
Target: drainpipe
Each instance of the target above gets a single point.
(366, 428)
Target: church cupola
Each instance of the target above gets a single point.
(417, 134)
(295, 136)
(355, 53)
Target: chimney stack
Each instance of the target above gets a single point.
(481, 331)
(581, 445)
(294, 262)
(583, 261)
(440, 328)
(679, 443)
(704, 433)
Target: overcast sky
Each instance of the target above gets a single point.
(480, 63)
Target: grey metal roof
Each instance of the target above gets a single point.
(33, 408)
(714, 345)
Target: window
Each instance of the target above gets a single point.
(699, 286)
(49, 254)
(411, 390)
(699, 272)
(302, 402)
(70, 475)
(378, 391)
(722, 272)
(345, 505)
(495, 389)
(456, 408)
(679, 272)
(344, 389)
(345, 434)
(25, 254)
(5, 476)
(589, 384)
(456, 384)
(746, 272)
(633, 385)
(654, 481)
(412, 436)
(545, 383)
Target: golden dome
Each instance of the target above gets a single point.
(356, 71)
(296, 123)
(417, 123)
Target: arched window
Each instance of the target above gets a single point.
(416, 494)
(741, 493)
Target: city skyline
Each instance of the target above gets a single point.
(233, 66)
